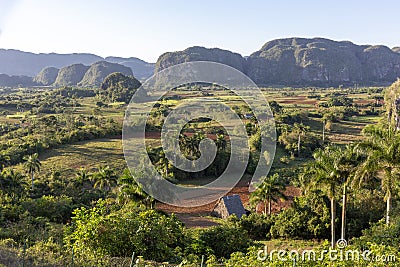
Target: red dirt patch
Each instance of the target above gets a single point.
(298, 100)
(364, 101)
(193, 217)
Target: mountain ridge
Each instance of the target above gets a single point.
(15, 62)
(287, 61)
(303, 61)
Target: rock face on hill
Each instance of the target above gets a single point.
(46, 76)
(99, 70)
(396, 49)
(197, 53)
(71, 75)
(300, 61)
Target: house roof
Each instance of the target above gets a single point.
(234, 205)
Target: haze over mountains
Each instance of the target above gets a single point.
(290, 61)
(19, 65)
(300, 61)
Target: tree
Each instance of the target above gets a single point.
(220, 142)
(98, 232)
(269, 190)
(382, 146)
(300, 130)
(12, 183)
(105, 178)
(299, 139)
(130, 189)
(325, 173)
(118, 87)
(32, 164)
(348, 161)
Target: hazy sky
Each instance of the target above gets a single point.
(148, 28)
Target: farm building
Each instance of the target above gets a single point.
(229, 205)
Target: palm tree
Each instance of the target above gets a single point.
(130, 189)
(32, 163)
(221, 142)
(105, 178)
(348, 161)
(164, 163)
(82, 175)
(269, 190)
(382, 146)
(13, 183)
(325, 173)
(301, 130)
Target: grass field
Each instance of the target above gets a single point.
(88, 154)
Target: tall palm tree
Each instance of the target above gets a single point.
(325, 173)
(348, 161)
(301, 130)
(382, 146)
(269, 190)
(105, 178)
(32, 164)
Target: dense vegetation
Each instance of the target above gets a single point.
(91, 216)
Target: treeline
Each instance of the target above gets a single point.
(34, 135)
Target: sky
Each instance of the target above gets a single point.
(148, 28)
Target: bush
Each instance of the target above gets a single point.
(99, 232)
(359, 217)
(381, 234)
(308, 218)
(257, 226)
(220, 241)
(56, 209)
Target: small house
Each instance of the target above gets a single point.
(227, 206)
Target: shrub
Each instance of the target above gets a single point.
(100, 233)
(220, 241)
(56, 209)
(257, 226)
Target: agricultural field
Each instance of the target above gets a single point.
(63, 149)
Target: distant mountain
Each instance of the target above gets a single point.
(15, 62)
(300, 61)
(14, 81)
(290, 61)
(197, 53)
(71, 75)
(95, 75)
(46, 76)
(141, 69)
